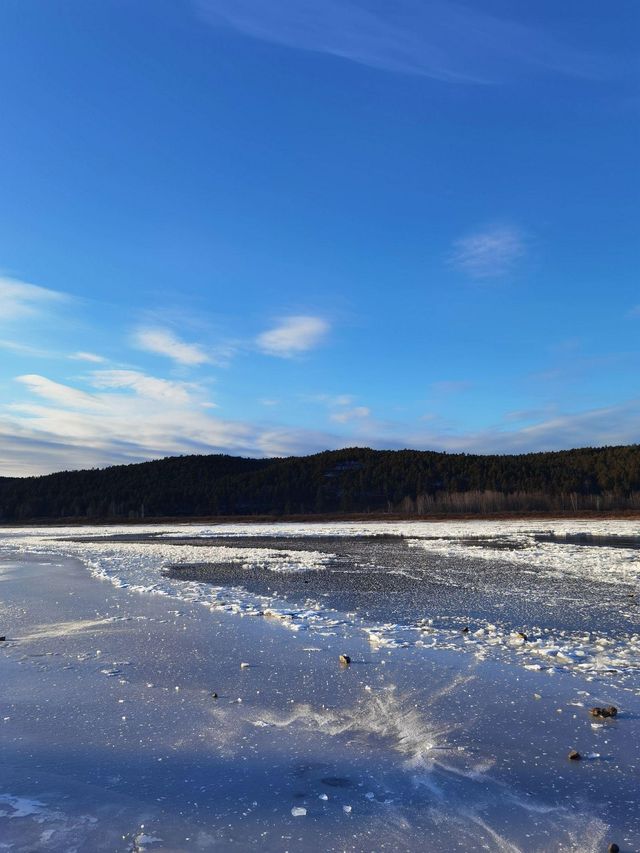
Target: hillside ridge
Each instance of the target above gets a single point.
(356, 480)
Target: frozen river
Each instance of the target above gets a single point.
(476, 652)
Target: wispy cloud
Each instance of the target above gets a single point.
(126, 416)
(19, 299)
(491, 253)
(527, 415)
(164, 342)
(441, 40)
(355, 414)
(529, 431)
(57, 392)
(330, 400)
(87, 356)
(144, 385)
(130, 416)
(341, 408)
(292, 336)
(26, 349)
(290, 441)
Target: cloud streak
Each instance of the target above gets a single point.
(492, 253)
(131, 416)
(87, 356)
(128, 416)
(18, 299)
(355, 414)
(441, 40)
(149, 387)
(611, 425)
(163, 342)
(57, 392)
(293, 336)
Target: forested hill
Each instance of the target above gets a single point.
(356, 480)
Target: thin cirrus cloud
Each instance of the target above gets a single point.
(490, 253)
(87, 356)
(137, 383)
(440, 40)
(330, 400)
(597, 427)
(163, 342)
(355, 414)
(127, 416)
(57, 392)
(66, 427)
(293, 336)
(20, 299)
(25, 349)
(150, 387)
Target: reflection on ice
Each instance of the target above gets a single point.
(410, 747)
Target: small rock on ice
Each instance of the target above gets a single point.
(609, 711)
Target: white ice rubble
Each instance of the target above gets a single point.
(139, 567)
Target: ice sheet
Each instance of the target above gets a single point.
(112, 736)
(588, 648)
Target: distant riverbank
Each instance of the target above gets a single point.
(619, 515)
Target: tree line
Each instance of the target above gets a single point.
(354, 480)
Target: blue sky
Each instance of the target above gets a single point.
(263, 227)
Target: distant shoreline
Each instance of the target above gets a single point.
(584, 515)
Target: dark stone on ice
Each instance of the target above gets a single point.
(345, 660)
(524, 636)
(465, 630)
(613, 848)
(604, 713)
(2, 639)
(574, 755)
(214, 695)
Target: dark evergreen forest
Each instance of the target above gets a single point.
(352, 481)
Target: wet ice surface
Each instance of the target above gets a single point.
(402, 592)
(456, 746)
(399, 583)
